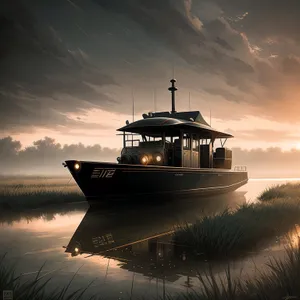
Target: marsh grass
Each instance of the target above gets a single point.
(233, 233)
(34, 289)
(288, 190)
(278, 281)
(20, 196)
(282, 279)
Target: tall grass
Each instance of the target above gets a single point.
(34, 289)
(288, 190)
(232, 233)
(21, 196)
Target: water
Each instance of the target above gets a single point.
(149, 264)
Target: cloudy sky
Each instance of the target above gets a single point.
(69, 68)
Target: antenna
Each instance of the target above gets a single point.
(189, 101)
(209, 103)
(132, 106)
(154, 99)
(173, 89)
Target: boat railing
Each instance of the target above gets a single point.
(240, 168)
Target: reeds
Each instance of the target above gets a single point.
(288, 190)
(20, 196)
(234, 233)
(231, 233)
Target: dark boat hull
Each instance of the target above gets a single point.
(100, 181)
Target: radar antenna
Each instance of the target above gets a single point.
(154, 99)
(173, 89)
(132, 105)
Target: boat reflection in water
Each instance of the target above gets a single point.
(140, 237)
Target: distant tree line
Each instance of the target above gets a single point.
(45, 157)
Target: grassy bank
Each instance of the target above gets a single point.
(38, 193)
(287, 191)
(234, 233)
(230, 234)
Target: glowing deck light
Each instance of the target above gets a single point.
(144, 159)
(158, 158)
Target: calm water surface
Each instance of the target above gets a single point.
(143, 261)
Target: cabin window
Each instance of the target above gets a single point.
(204, 141)
(134, 143)
(195, 145)
(186, 143)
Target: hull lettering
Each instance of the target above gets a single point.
(103, 173)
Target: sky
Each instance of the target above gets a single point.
(69, 69)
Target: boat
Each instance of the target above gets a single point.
(165, 155)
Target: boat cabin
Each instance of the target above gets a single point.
(179, 139)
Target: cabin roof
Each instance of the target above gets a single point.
(153, 124)
(185, 115)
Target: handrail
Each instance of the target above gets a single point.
(129, 134)
(240, 168)
(132, 140)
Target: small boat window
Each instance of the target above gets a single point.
(186, 143)
(195, 145)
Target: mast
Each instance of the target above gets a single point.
(173, 89)
(132, 105)
(154, 99)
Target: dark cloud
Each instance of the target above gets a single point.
(223, 93)
(210, 40)
(291, 66)
(174, 26)
(265, 18)
(223, 43)
(67, 58)
(160, 20)
(40, 78)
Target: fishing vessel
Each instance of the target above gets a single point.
(165, 154)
